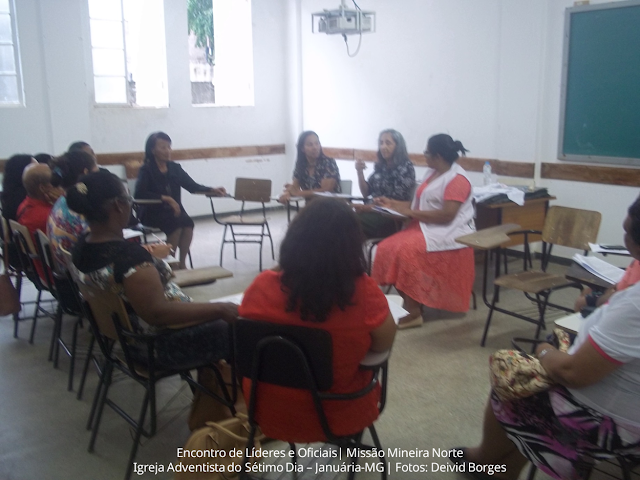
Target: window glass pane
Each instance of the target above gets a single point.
(4, 6)
(9, 89)
(110, 90)
(7, 60)
(108, 62)
(106, 34)
(105, 9)
(5, 28)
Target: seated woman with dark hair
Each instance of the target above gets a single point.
(321, 283)
(592, 413)
(65, 226)
(313, 172)
(393, 177)
(161, 179)
(424, 262)
(13, 191)
(127, 269)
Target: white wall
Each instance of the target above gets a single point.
(487, 72)
(56, 56)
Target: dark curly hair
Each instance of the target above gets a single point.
(321, 257)
(634, 215)
(90, 195)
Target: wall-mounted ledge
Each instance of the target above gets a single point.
(622, 176)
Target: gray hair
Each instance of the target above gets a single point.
(400, 154)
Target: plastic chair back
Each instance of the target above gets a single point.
(280, 365)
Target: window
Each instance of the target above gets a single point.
(220, 52)
(129, 52)
(10, 79)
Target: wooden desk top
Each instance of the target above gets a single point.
(510, 204)
(578, 274)
(200, 276)
(489, 238)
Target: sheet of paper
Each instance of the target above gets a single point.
(388, 211)
(337, 195)
(599, 268)
(129, 233)
(397, 312)
(235, 298)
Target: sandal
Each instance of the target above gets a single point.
(410, 321)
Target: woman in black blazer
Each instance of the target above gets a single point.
(161, 179)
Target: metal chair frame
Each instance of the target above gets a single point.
(290, 346)
(110, 323)
(246, 190)
(541, 297)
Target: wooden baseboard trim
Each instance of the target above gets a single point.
(623, 176)
(499, 167)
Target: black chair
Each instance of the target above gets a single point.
(27, 259)
(133, 354)
(61, 287)
(300, 357)
(12, 264)
(247, 190)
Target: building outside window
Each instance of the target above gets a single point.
(11, 91)
(220, 52)
(129, 52)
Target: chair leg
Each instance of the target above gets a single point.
(72, 357)
(224, 236)
(473, 296)
(542, 308)
(16, 316)
(85, 368)
(35, 317)
(378, 445)
(58, 333)
(136, 438)
(233, 236)
(273, 255)
(57, 320)
(486, 326)
(103, 390)
(354, 459)
(260, 243)
(190, 259)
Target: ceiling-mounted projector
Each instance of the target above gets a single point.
(343, 21)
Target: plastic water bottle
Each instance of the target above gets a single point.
(486, 173)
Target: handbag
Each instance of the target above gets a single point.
(9, 299)
(515, 374)
(228, 440)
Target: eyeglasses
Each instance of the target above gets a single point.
(427, 154)
(128, 199)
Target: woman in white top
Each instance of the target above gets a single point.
(423, 261)
(593, 412)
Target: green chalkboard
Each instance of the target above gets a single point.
(600, 118)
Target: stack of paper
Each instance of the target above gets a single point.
(608, 249)
(599, 268)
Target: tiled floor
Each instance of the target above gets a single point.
(438, 386)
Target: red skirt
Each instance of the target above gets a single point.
(442, 280)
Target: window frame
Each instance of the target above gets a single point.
(92, 75)
(15, 44)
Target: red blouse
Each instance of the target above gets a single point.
(288, 414)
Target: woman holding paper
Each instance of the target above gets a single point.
(424, 262)
(592, 413)
(393, 177)
(314, 171)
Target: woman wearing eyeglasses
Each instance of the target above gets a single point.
(424, 262)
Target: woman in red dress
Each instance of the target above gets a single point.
(321, 283)
(424, 262)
